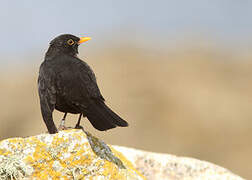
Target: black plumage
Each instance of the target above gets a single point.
(68, 84)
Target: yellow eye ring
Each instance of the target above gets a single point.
(70, 42)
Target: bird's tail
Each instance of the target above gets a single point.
(102, 117)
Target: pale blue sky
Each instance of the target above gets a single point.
(27, 26)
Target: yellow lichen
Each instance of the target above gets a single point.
(29, 159)
(126, 162)
(55, 160)
(4, 152)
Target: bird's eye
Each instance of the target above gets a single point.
(70, 42)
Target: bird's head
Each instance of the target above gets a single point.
(66, 44)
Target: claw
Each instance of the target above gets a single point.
(78, 127)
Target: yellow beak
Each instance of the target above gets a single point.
(83, 39)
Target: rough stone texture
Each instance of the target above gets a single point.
(74, 154)
(70, 154)
(164, 166)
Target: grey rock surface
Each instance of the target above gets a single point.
(157, 166)
(69, 154)
(74, 154)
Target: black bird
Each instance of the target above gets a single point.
(68, 84)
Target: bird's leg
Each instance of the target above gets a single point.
(62, 123)
(78, 126)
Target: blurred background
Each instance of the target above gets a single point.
(180, 72)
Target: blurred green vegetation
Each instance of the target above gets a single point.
(188, 101)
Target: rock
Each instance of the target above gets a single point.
(69, 154)
(76, 154)
(164, 166)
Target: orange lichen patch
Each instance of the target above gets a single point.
(41, 153)
(57, 141)
(29, 159)
(77, 136)
(126, 162)
(111, 170)
(4, 152)
(16, 143)
(68, 155)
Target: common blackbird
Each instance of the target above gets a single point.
(68, 84)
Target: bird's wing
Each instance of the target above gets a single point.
(47, 95)
(77, 80)
(88, 80)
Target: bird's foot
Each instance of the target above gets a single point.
(63, 127)
(79, 127)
